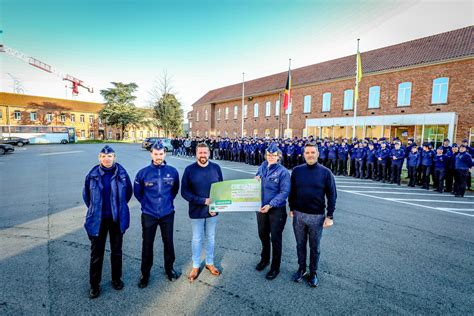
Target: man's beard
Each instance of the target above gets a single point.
(158, 161)
(203, 160)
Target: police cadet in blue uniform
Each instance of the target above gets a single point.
(370, 162)
(382, 157)
(352, 153)
(360, 156)
(463, 163)
(397, 156)
(107, 190)
(271, 219)
(413, 163)
(427, 156)
(156, 187)
(439, 161)
(332, 157)
(342, 154)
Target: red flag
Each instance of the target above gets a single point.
(287, 100)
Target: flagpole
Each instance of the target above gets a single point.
(289, 104)
(356, 96)
(243, 90)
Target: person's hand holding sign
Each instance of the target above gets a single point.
(208, 202)
(265, 209)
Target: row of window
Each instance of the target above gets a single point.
(439, 95)
(62, 117)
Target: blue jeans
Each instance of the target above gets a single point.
(308, 226)
(203, 227)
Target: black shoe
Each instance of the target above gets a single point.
(313, 280)
(172, 275)
(118, 284)
(94, 292)
(299, 276)
(272, 274)
(143, 282)
(261, 265)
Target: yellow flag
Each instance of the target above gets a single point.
(358, 76)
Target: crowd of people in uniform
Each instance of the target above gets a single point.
(444, 169)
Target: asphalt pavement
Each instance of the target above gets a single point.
(392, 249)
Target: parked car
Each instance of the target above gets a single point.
(16, 141)
(5, 148)
(149, 141)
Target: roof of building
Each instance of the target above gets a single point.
(440, 47)
(30, 101)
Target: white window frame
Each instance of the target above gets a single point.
(33, 116)
(403, 93)
(255, 110)
(236, 111)
(268, 108)
(49, 117)
(246, 108)
(307, 104)
(91, 119)
(62, 118)
(437, 88)
(348, 99)
(82, 118)
(73, 118)
(205, 115)
(326, 106)
(17, 115)
(277, 108)
(374, 103)
(226, 115)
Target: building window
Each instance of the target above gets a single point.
(236, 111)
(277, 132)
(73, 118)
(349, 99)
(49, 117)
(110, 135)
(255, 110)
(227, 113)
(33, 116)
(197, 116)
(307, 104)
(440, 91)
(404, 94)
(374, 97)
(91, 135)
(267, 133)
(1, 114)
(327, 102)
(268, 108)
(289, 109)
(218, 115)
(83, 134)
(190, 124)
(277, 108)
(91, 119)
(17, 115)
(81, 118)
(205, 115)
(255, 132)
(62, 118)
(244, 133)
(245, 110)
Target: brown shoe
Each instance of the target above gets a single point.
(212, 268)
(193, 274)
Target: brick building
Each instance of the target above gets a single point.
(421, 88)
(20, 113)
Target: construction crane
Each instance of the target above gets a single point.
(76, 83)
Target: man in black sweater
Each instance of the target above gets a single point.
(311, 185)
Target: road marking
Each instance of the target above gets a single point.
(456, 209)
(433, 201)
(389, 192)
(408, 203)
(385, 187)
(62, 153)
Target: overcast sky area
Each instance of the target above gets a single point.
(202, 45)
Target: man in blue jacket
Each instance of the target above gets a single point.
(370, 162)
(342, 154)
(413, 162)
(332, 157)
(397, 157)
(156, 187)
(440, 162)
(427, 156)
(107, 190)
(382, 157)
(360, 156)
(196, 188)
(462, 165)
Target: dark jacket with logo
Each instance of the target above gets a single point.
(120, 194)
(155, 187)
(276, 184)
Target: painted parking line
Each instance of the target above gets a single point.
(391, 192)
(409, 203)
(434, 201)
(62, 153)
(380, 187)
(457, 209)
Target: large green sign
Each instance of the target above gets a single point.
(241, 195)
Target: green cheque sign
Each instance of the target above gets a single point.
(241, 195)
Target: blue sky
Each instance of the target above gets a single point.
(201, 44)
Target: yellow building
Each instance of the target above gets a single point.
(20, 112)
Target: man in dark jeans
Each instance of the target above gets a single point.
(155, 188)
(311, 185)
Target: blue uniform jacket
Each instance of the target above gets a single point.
(332, 152)
(414, 159)
(155, 188)
(121, 193)
(360, 153)
(275, 182)
(343, 152)
(323, 152)
(371, 155)
(427, 157)
(399, 156)
(440, 161)
(383, 154)
(463, 161)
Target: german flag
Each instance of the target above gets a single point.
(287, 100)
